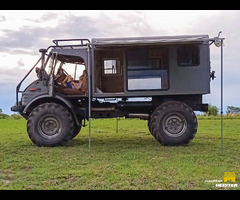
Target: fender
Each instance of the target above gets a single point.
(49, 98)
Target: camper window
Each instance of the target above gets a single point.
(147, 68)
(188, 56)
(111, 67)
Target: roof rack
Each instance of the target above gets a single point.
(83, 42)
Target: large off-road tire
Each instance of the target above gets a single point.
(173, 123)
(50, 125)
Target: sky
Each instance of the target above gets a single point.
(24, 32)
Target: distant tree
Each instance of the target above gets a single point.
(2, 115)
(232, 110)
(16, 116)
(212, 110)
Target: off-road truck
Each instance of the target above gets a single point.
(159, 79)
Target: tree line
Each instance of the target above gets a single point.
(6, 116)
(214, 110)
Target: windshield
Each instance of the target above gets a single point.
(51, 63)
(71, 65)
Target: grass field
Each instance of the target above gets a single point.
(129, 159)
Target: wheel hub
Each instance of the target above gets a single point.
(174, 124)
(49, 126)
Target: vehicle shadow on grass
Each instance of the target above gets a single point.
(113, 140)
(139, 141)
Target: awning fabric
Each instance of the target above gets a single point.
(150, 40)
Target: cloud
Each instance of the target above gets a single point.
(30, 38)
(3, 18)
(124, 24)
(20, 63)
(76, 27)
(11, 75)
(26, 38)
(33, 38)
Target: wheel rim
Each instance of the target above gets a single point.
(49, 126)
(174, 124)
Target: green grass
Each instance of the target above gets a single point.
(129, 159)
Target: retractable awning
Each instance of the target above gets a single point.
(128, 41)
